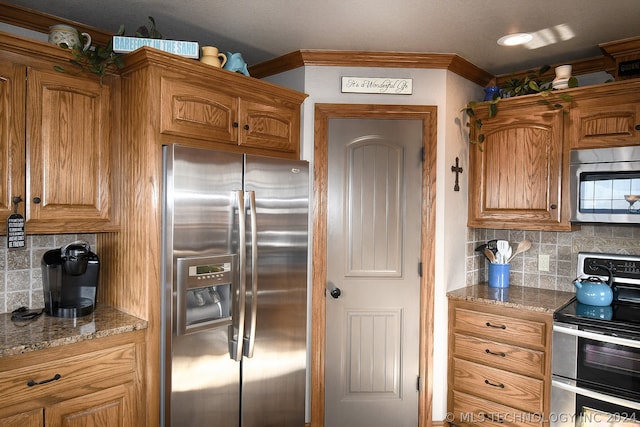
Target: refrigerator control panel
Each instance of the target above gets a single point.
(205, 271)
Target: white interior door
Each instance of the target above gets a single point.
(373, 252)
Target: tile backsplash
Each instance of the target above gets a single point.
(20, 273)
(21, 276)
(561, 247)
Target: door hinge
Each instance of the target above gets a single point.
(420, 268)
(422, 154)
(418, 383)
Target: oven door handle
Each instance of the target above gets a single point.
(570, 385)
(596, 336)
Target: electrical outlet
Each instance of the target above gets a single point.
(543, 262)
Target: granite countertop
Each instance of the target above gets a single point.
(534, 299)
(45, 332)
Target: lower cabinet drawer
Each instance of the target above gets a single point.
(499, 355)
(472, 410)
(68, 377)
(501, 328)
(522, 392)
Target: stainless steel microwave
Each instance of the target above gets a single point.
(605, 185)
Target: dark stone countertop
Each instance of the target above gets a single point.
(534, 299)
(17, 337)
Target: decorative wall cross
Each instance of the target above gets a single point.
(457, 170)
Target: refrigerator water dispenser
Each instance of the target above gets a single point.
(203, 294)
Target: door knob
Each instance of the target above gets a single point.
(335, 292)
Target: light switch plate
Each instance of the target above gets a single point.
(543, 262)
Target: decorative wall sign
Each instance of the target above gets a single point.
(383, 85)
(15, 227)
(124, 44)
(629, 68)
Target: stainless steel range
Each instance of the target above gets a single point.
(596, 349)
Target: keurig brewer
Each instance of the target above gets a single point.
(70, 280)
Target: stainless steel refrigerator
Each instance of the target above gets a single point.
(235, 233)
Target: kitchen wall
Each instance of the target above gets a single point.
(562, 248)
(448, 92)
(20, 273)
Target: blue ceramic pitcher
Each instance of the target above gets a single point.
(236, 63)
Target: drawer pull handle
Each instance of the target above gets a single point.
(496, 353)
(489, 324)
(56, 377)
(499, 385)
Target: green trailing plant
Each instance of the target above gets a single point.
(100, 60)
(96, 59)
(149, 31)
(532, 83)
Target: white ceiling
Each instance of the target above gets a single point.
(565, 30)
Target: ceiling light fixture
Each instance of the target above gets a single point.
(515, 39)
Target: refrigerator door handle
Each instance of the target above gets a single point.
(236, 329)
(250, 339)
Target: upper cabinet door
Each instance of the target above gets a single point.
(515, 181)
(67, 152)
(12, 88)
(607, 121)
(269, 126)
(213, 114)
(197, 111)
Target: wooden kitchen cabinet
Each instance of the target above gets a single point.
(55, 143)
(499, 365)
(100, 409)
(67, 152)
(12, 161)
(515, 178)
(209, 111)
(34, 418)
(89, 383)
(606, 116)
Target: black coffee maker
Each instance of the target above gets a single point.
(70, 280)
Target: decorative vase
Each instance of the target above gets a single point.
(563, 74)
(211, 56)
(490, 92)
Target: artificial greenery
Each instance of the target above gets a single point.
(531, 83)
(102, 59)
(150, 31)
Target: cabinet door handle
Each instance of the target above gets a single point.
(245, 127)
(637, 127)
(37, 200)
(553, 206)
(489, 324)
(498, 385)
(31, 383)
(499, 353)
(235, 124)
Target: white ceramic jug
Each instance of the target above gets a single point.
(69, 36)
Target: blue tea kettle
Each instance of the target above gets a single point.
(593, 291)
